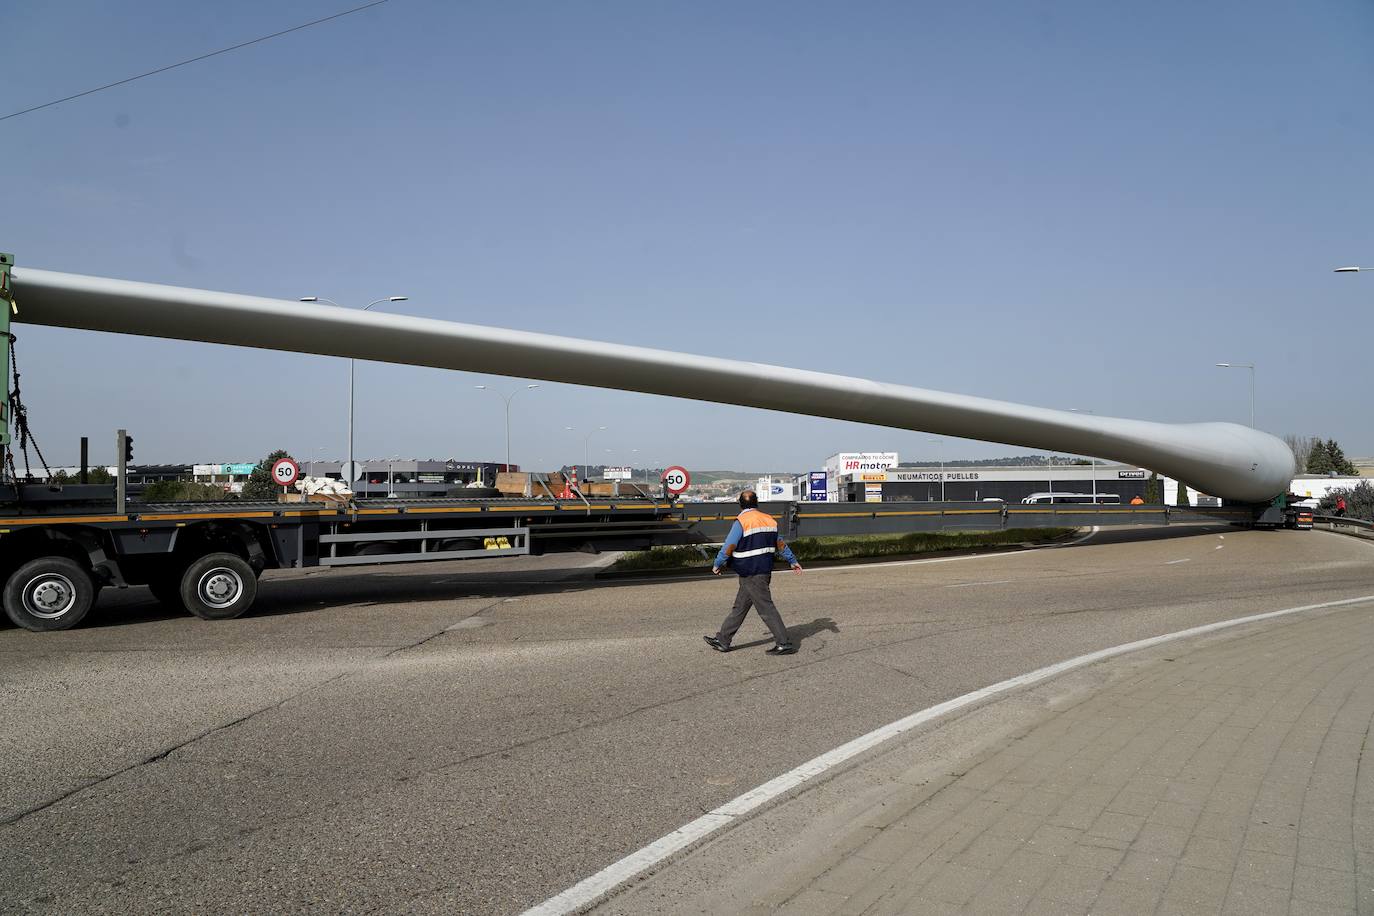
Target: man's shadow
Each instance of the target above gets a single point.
(798, 633)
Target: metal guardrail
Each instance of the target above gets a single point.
(1359, 527)
(805, 519)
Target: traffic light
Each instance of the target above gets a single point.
(128, 448)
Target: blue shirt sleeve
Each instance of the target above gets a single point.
(788, 556)
(736, 532)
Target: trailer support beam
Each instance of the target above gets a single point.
(7, 308)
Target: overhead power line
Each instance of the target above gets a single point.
(297, 28)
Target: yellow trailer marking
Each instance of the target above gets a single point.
(64, 520)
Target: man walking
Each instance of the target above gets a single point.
(749, 549)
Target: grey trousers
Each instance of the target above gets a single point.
(755, 592)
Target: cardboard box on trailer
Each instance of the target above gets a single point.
(513, 483)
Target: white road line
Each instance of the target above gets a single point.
(990, 582)
(1172, 562)
(603, 882)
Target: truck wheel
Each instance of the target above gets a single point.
(50, 593)
(218, 586)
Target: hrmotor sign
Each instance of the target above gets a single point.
(850, 463)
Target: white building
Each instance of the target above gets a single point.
(841, 470)
(1315, 487)
(1195, 497)
(776, 489)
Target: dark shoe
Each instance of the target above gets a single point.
(783, 648)
(715, 643)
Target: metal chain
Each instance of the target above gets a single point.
(21, 425)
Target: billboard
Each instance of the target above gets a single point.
(815, 490)
(210, 470)
(848, 463)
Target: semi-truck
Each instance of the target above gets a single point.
(60, 546)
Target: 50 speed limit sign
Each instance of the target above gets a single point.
(285, 472)
(676, 479)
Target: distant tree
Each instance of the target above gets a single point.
(1153, 495)
(1339, 463)
(260, 484)
(1318, 459)
(1182, 499)
(182, 491)
(1302, 449)
(98, 475)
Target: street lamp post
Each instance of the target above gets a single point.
(1351, 270)
(350, 470)
(585, 440)
(942, 470)
(507, 398)
(1251, 367)
(1091, 457)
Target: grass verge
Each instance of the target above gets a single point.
(841, 548)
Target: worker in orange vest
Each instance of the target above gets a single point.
(749, 549)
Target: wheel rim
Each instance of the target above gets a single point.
(50, 596)
(219, 588)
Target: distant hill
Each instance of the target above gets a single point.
(1013, 461)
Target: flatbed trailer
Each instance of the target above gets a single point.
(206, 557)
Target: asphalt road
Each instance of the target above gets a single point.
(475, 738)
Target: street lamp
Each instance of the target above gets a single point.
(942, 470)
(1351, 270)
(1094, 459)
(350, 471)
(586, 439)
(1251, 367)
(507, 399)
(317, 450)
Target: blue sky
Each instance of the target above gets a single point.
(1069, 204)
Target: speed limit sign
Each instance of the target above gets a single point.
(676, 480)
(285, 472)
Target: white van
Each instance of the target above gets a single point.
(1102, 499)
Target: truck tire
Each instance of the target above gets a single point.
(50, 593)
(218, 586)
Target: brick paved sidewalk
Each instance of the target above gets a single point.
(1225, 778)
